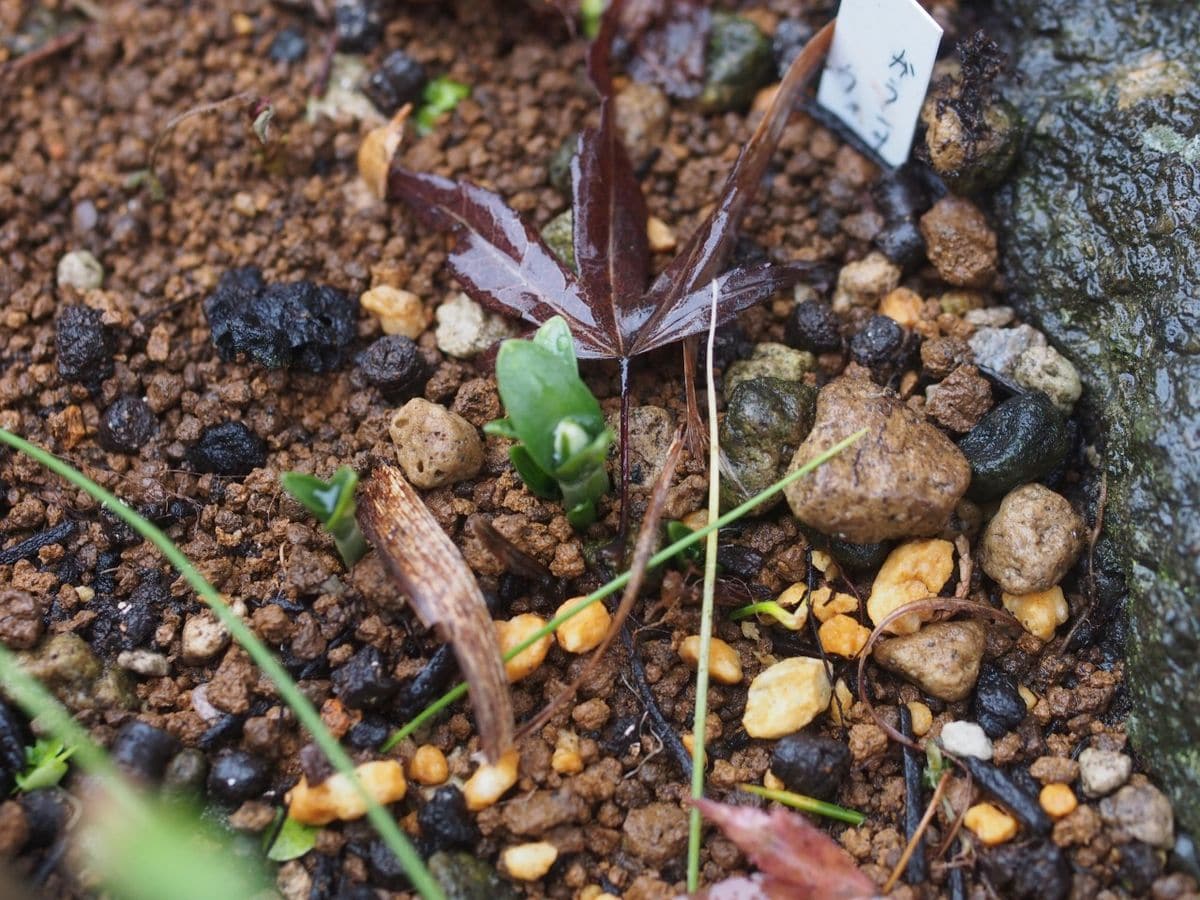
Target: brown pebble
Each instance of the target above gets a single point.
(960, 243)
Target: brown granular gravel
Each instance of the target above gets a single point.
(74, 128)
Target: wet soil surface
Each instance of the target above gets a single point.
(197, 440)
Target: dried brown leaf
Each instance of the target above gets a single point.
(443, 593)
(802, 859)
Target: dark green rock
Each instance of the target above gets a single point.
(766, 420)
(1100, 226)
(739, 62)
(559, 235)
(1018, 441)
(855, 557)
(464, 876)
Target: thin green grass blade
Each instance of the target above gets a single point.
(807, 804)
(288, 690)
(460, 690)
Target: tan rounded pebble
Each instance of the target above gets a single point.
(794, 599)
(942, 659)
(1028, 696)
(1032, 541)
(399, 312)
(843, 636)
(376, 151)
(960, 243)
(1038, 613)
(203, 638)
(786, 697)
(660, 235)
(1050, 769)
(428, 765)
(85, 594)
(491, 781)
(991, 824)
(465, 329)
(435, 446)
(840, 703)
(529, 862)
(696, 520)
(567, 760)
(773, 782)
(724, 664)
(595, 892)
(335, 798)
(826, 604)
(922, 717)
(825, 564)
(902, 306)
(511, 633)
(913, 571)
(689, 741)
(863, 282)
(1058, 800)
(583, 631)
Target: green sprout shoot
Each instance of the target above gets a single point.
(332, 503)
(788, 620)
(45, 764)
(563, 439)
(293, 840)
(807, 804)
(590, 12)
(441, 96)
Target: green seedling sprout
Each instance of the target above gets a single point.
(563, 439)
(590, 12)
(289, 692)
(332, 503)
(292, 840)
(440, 97)
(460, 690)
(807, 804)
(692, 556)
(770, 608)
(45, 764)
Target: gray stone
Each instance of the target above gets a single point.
(1045, 369)
(143, 662)
(1032, 541)
(1099, 228)
(769, 360)
(998, 349)
(1103, 771)
(1143, 812)
(559, 235)
(765, 421)
(465, 328)
(81, 270)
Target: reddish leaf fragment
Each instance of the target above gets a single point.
(444, 594)
(794, 856)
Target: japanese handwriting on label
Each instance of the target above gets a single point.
(878, 71)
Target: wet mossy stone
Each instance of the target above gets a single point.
(1020, 440)
(297, 325)
(739, 62)
(765, 421)
(1099, 226)
(464, 876)
(559, 235)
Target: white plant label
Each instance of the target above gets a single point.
(878, 71)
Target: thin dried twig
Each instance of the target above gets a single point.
(444, 594)
(1093, 537)
(642, 551)
(56, 44)
(918, 834)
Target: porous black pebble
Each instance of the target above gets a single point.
(1018, 441)
(82, 346)
(1139, 866)
(237, 776)
(399, 79)
(1037, 871)
(997, 707)
(1021, 801)
(369, 733)
(811, 765)
(364, 681)
(229, 448)
(900, 195)
(880, 345)
(13, 737)
(815, 327)
(394, 364)
(46, 811)
(445, 822)
(298, 324)
(359, 24)
(386, 869)
(740, 561)
(901, 242)
(142, 750)
(126, 425)
(288, 46)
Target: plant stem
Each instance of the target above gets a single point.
(288, 690)
(662, 556)
(699, 722)
(807, 804)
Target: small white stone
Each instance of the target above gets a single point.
(965, 739)
(529, 862)
(990, 317)
(1103, 771)
(1045, 369)
(143, 662)
(465, 328)
(81, 270)
(203, 638)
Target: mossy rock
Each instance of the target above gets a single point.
(1100, 225)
